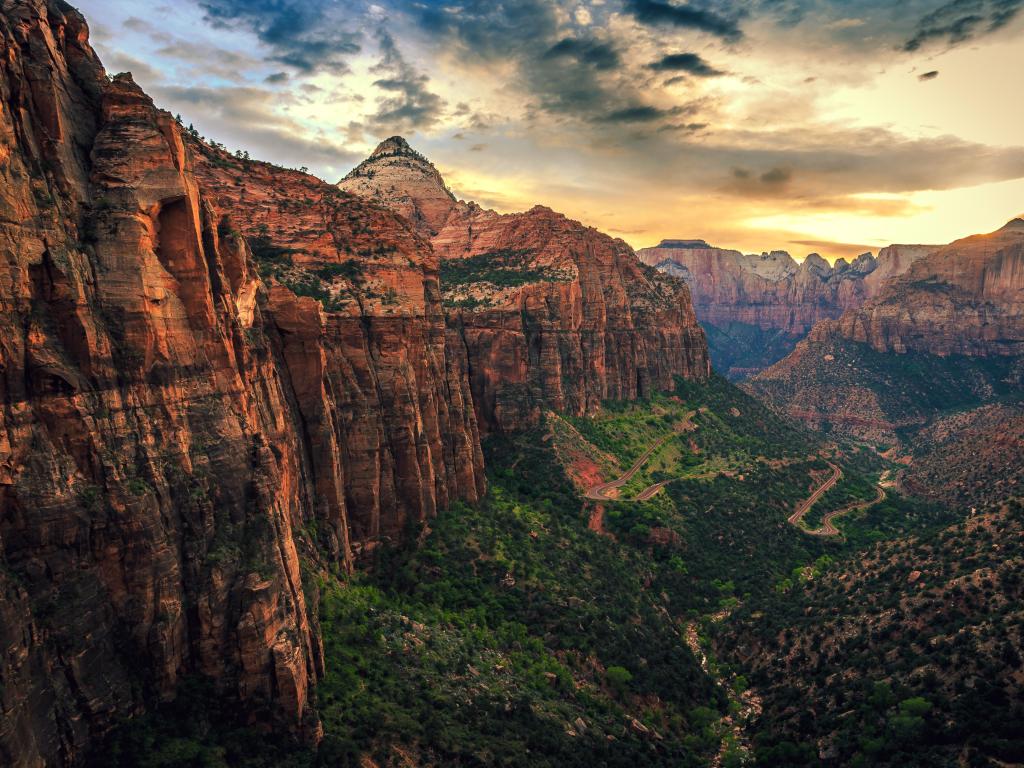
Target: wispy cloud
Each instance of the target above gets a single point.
(310, 35)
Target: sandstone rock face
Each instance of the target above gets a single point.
(893, 261)
(382, 392)
(756, 307)
(178, 426)
(550, 313)
(771, 291)
(575, 320)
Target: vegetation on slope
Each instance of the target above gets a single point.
(909, 655)
(516, 634)
(852, 389)
(740, 350)
(494, 270)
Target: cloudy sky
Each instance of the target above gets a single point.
(836, 126)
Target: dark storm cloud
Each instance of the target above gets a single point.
(483, 29)
(655, 12)
(691, 63)
(586, 51)
(582, 76)
(309, 35)
(410, 105)
(962, 20)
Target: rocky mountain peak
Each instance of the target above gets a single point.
(395, 146)
(404, 180)
(816, 265)
(1014, 224)
(865, 263)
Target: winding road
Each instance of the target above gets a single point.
(827, 528)
(600, 491)
(805, 506)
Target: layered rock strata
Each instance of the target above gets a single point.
(948, 333)
(755, 308)
(183, 416)
(771, 290)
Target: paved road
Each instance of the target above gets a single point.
(806, 504)
(599, 492)
(827, 528)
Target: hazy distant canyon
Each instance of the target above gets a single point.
(755, 308)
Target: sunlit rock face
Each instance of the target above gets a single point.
(964, 298)
(550, 313)
(770, 290)
(179, 423)
(892, 261)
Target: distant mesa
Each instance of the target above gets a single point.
(683, 244)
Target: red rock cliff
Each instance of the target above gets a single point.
(947, 333)
(175, 429)
(551, 313)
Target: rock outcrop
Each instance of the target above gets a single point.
(552, 314)
(893, 261)
(756, 307)
(771, 291)
(183, 416)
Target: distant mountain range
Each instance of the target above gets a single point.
(933, 364)
(755, 308)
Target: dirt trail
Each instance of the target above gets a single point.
(599, 492)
